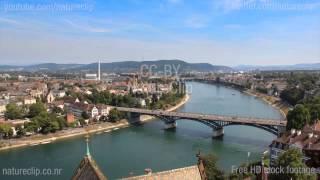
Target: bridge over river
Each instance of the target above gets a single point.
(216, 122)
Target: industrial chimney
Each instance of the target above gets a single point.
(99, 73)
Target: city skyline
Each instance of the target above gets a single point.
(241, 32)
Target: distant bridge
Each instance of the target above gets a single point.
(216, 122)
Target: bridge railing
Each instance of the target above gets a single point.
(208, 117)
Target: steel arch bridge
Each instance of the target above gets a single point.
(216, 122)
(220, 124)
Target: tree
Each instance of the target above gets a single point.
(20, 131)
(147, 103)
(6, 130)
(85, 115)
(61, 121)
(57, 110)
(249, 174)
(32, 126)
(154, 98)
(292, 158)
(314, 112)
(293, 95)
(211, 169)
(47, 122)
(36, 109)
(13, 111)
(114, 115)
(298, 117)
(82, 121)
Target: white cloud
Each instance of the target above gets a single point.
(35, 48)
(9, 21)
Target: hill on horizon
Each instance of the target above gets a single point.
(311, 66)
(121, 67)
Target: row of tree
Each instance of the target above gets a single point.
(40, 120)
(308, 112)
(14, 111)
(105, 97)
(45, 122)
(130, 100)
(168, 99)
(298, 85)
(306, 107)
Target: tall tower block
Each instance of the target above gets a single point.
(99, 72)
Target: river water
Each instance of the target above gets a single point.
(131, 150)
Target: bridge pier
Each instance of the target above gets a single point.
(216, 133)
(281, 130)
(134, 117)
(170, 125)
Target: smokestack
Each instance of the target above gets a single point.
(99, 77)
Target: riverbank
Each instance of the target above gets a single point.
(146, 118)
(272, 101)
(104, 127)
(275, 102)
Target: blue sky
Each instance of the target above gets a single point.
(224, 32)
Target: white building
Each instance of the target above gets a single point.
(104, 110)
(94, 112)
(91, 77)
(29, 101)
(50, 97)
(59, 93)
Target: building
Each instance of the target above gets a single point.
(5, 76)
(91, 77)
(89, 169)
(94, 112)
(59, 104)
(104, 109)
(58, 93)
(29, 100)
(185, 173)
(70, 118)
(141, 102)
(78, 108)
(50, 97)
(35, 93)
(3, 104)
(306, 140)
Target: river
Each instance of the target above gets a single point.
(132, 149)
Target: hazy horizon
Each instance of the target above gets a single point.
(92, 62)
(224, 32)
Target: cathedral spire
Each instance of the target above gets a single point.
(88, 168)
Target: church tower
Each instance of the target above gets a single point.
(88, 168)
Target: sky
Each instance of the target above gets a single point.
(220, 32)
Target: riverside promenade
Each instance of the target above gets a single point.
(106, 127)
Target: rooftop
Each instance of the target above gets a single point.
(308, 138)
(186, 173)
(88, 169)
